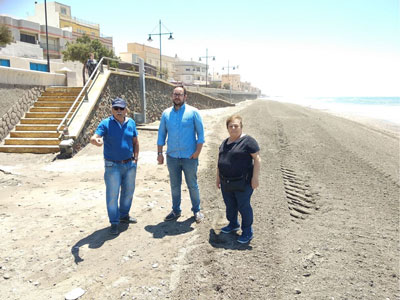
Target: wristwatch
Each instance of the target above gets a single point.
(159, 153)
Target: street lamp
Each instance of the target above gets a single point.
(47, 35)
(229, 78)
(206, 57)
(160, 34)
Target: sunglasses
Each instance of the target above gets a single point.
(118, 108)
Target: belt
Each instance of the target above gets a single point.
(122, 161)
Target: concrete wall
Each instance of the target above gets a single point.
(15, 101)
(28, 77)
(158, 98)
(39, 78)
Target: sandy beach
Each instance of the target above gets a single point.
(326, 218)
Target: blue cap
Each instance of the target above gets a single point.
(118, 102)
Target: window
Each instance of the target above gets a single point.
(187, 69)
(28, 38)
(63, 10)
(198, 69)
(4, 62)
(38, 67)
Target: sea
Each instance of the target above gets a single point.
(386, 109)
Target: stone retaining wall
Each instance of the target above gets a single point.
(158, 98)
(15, 101)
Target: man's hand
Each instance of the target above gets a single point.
(96, 140)
(160, 158)
(195, 155)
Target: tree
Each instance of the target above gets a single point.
(5, 36)
(227, 86)
(82, 47)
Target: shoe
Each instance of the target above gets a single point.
(172, 216)
(245, 238)
(114, 229)
(128, 219)
(198, 217)
(229, 228)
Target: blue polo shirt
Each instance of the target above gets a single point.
(118, 139)
(184, 128)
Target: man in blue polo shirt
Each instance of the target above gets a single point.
(121, 151)
(184, 127)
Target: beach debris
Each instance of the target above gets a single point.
(6, 276)
(155, 265)
(75, 294)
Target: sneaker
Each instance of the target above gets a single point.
(128, 219)
(172, 216)
(245, 238)
(229, 228)
(198, 217)
(114, 229)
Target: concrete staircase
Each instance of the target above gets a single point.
(37, 130)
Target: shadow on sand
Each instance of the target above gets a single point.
(170, 228)
(226, 241)
(95, 240)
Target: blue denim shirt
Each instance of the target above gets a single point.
(184, 128)
(118, 139)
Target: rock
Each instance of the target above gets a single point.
(74, 294)
(297, 291)
(155, 265)
(6, 276)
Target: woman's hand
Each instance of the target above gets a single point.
(254, 182)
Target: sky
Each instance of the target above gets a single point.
(284, 47)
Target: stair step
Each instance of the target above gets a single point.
(31, 141)
(34, 134)
(29, 149)
(62, 89)
(49, 109)
(53, 104)
(42, 115)
(56, 98)
(40, 121)
(35, 127)
(52, 94)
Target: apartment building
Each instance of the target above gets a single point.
(233, 80)
(150, 56)
(30, 39)
(59, 16)
(190, 73)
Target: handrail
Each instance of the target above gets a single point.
(86, 88)
(79, 95)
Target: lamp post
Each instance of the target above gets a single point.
(206, 57)
(160, 34)
(47, 35)
(229, 78)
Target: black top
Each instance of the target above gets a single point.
(234, 159)
(91, 65)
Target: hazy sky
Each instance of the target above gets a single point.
(284, 47)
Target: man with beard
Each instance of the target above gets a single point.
(183, 125)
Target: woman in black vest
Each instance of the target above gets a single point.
(237, 177)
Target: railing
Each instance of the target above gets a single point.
(121, 66)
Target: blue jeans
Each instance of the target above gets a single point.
(189, 168)
(239, 202)
(119, 177)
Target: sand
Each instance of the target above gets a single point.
(326, 218)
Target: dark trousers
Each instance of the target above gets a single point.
(239, 202)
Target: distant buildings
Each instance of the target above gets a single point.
(59, 15)
(150, 56)
(30, 35)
